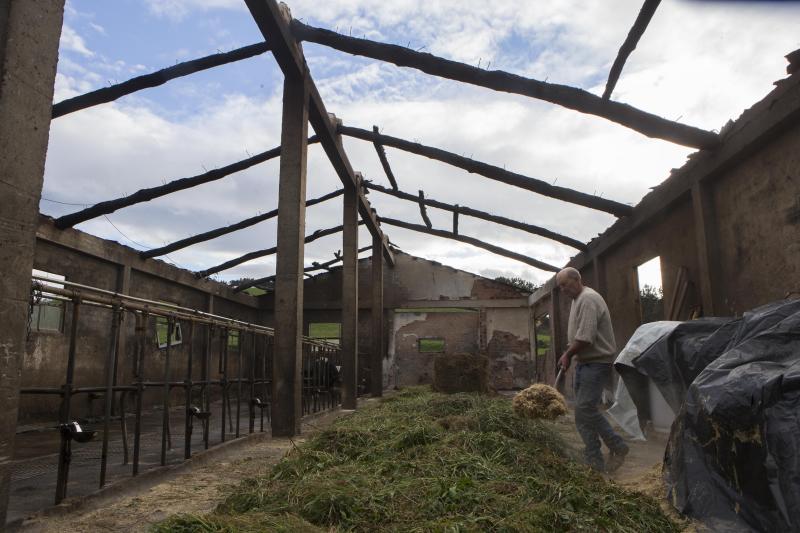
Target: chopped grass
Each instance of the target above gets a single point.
(421, 461)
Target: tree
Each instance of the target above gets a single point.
(652, 303)
(518, 283)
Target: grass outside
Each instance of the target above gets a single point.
(421, 461)
(542, 344)
(325, 330)
(431, 345)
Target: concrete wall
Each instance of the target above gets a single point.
(29, 35)
(496, 320)
(103, 264)
(758, 214)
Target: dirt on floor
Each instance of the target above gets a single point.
(197, 490)
(641, 471)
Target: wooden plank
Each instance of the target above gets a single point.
(498, 80)
(384, 161)
(706, 237)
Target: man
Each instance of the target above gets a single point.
(591, 339)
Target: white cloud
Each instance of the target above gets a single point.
(702, 63)
(179, 9)
(73, 42)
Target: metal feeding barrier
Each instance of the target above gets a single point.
(250, 382)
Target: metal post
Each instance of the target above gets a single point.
(116, 317)
(189, 426)
(165, 396)
(65, 451)
(141, 339)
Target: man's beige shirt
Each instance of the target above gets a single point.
(590, 321)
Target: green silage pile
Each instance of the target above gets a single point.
(420, 461)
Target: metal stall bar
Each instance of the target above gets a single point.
(65, 451)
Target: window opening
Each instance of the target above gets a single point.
(651, 292)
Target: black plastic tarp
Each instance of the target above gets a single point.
(733, 458)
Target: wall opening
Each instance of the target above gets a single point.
(47, 312)
(162, 330)
(431, 345)
(651, 291)
(330, 331)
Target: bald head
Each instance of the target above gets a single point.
(569, 282)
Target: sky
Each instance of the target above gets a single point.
(699, 63)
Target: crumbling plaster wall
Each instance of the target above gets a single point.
(419, 283)
(459, 331)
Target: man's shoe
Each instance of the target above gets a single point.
(616, 458)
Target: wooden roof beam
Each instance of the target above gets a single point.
(154, 79)
(458, 209)
(274, 26)
(492, 172)
(214, 233)
(263, 253)
(635, 33)
(541, 265)
(570, 97)
(145, 195)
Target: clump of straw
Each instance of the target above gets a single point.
(539, 401)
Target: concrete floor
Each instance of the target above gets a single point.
(35, 466)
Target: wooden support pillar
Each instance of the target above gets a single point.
(376, 362)
(706, 235)
(599, 269)
(287, 360)
(349, 341)
(29, 34)
(557, 333)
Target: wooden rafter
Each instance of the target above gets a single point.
(563, 95)
(384, 161)
(154, 79)
(314, 266)
(214, 233)
(457, 209)
(474, 242)
(422, 211)
(493, 172)
(275, 28)
(637, 30)
(263, 253)
(145, 195)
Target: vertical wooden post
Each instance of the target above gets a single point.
(349, 341)
(599, 269)
(29, 34)
(376, 363)
(287, 361)
(556, 326)
(705, 230)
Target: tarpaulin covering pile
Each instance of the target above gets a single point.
(733, 458)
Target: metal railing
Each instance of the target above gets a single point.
(249, 381)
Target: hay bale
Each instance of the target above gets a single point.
(539, 401)
(461, 372)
